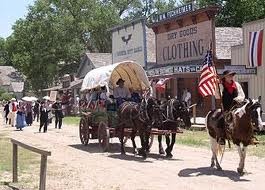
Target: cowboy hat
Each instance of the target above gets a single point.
(228, 72)
(120, 80)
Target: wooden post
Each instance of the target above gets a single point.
(194, 114)
(43, 169)
(15, 178)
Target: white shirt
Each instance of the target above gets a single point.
(119, 92)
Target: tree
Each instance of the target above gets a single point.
(235, 13)
(51, 39)
(4, 58)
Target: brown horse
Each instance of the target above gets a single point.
(139, 118)
(245, 120)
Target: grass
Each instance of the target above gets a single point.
(28, 164)
(25, 157)
(201, 139)
(71, 120)
(193, 138)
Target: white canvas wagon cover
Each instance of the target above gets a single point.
(133, 74)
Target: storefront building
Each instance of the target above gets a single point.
(251, 51)
(183, 37)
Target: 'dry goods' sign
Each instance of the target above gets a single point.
(184, 44)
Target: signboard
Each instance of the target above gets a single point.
(184, 44)
(128, 43)
(173, 13)
(53, 95)
(239, 69)
(174, 69)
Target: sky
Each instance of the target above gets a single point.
(10, 11)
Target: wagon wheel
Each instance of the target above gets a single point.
(103, 136)
(84, 131)
(151, 140)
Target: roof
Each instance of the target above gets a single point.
(10, 77)
(150, 45)
(91, 61)
(100, 59)
(54, 88)
(8, 74)
(225, 38)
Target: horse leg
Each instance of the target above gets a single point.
(142, 151)
(121, 140)
(173, 140)
(215, 147)
(168, 146)
(161, 149)
(242, 154)
(133, 141)
(147, 135)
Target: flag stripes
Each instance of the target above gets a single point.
(255, 48)
(207, 84)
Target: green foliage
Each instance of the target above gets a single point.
(4, 59)
(49, 42)
(6, 96)
(235, 13)
(71, 121)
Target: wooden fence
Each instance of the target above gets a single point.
(43, 165)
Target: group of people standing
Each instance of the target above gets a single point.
(18, 114)
(21, 114)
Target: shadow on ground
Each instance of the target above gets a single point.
(132, 157)
(94, 148)
(208, 171)
(8, 185)
(114, 151)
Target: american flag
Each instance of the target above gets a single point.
(207, 85)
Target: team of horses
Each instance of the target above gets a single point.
(173, 113)
(151, 113)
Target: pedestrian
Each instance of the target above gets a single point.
(6, 110)
(13, 110)
(57, 107)
(36, 111)
(44, 111)
(29, 118)
(21, 120)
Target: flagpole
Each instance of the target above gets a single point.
(215, 71)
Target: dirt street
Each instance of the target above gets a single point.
(74, 166)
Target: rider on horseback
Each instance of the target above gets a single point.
(232, 97)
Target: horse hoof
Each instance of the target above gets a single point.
(219, 168)
(134, 151)
(123, 152)
(141, 152)
(240, 171)
(161, 151)
(212, 165)
(169, 155)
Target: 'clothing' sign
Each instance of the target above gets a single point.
(184, 44)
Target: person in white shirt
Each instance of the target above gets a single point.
(121, 93)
